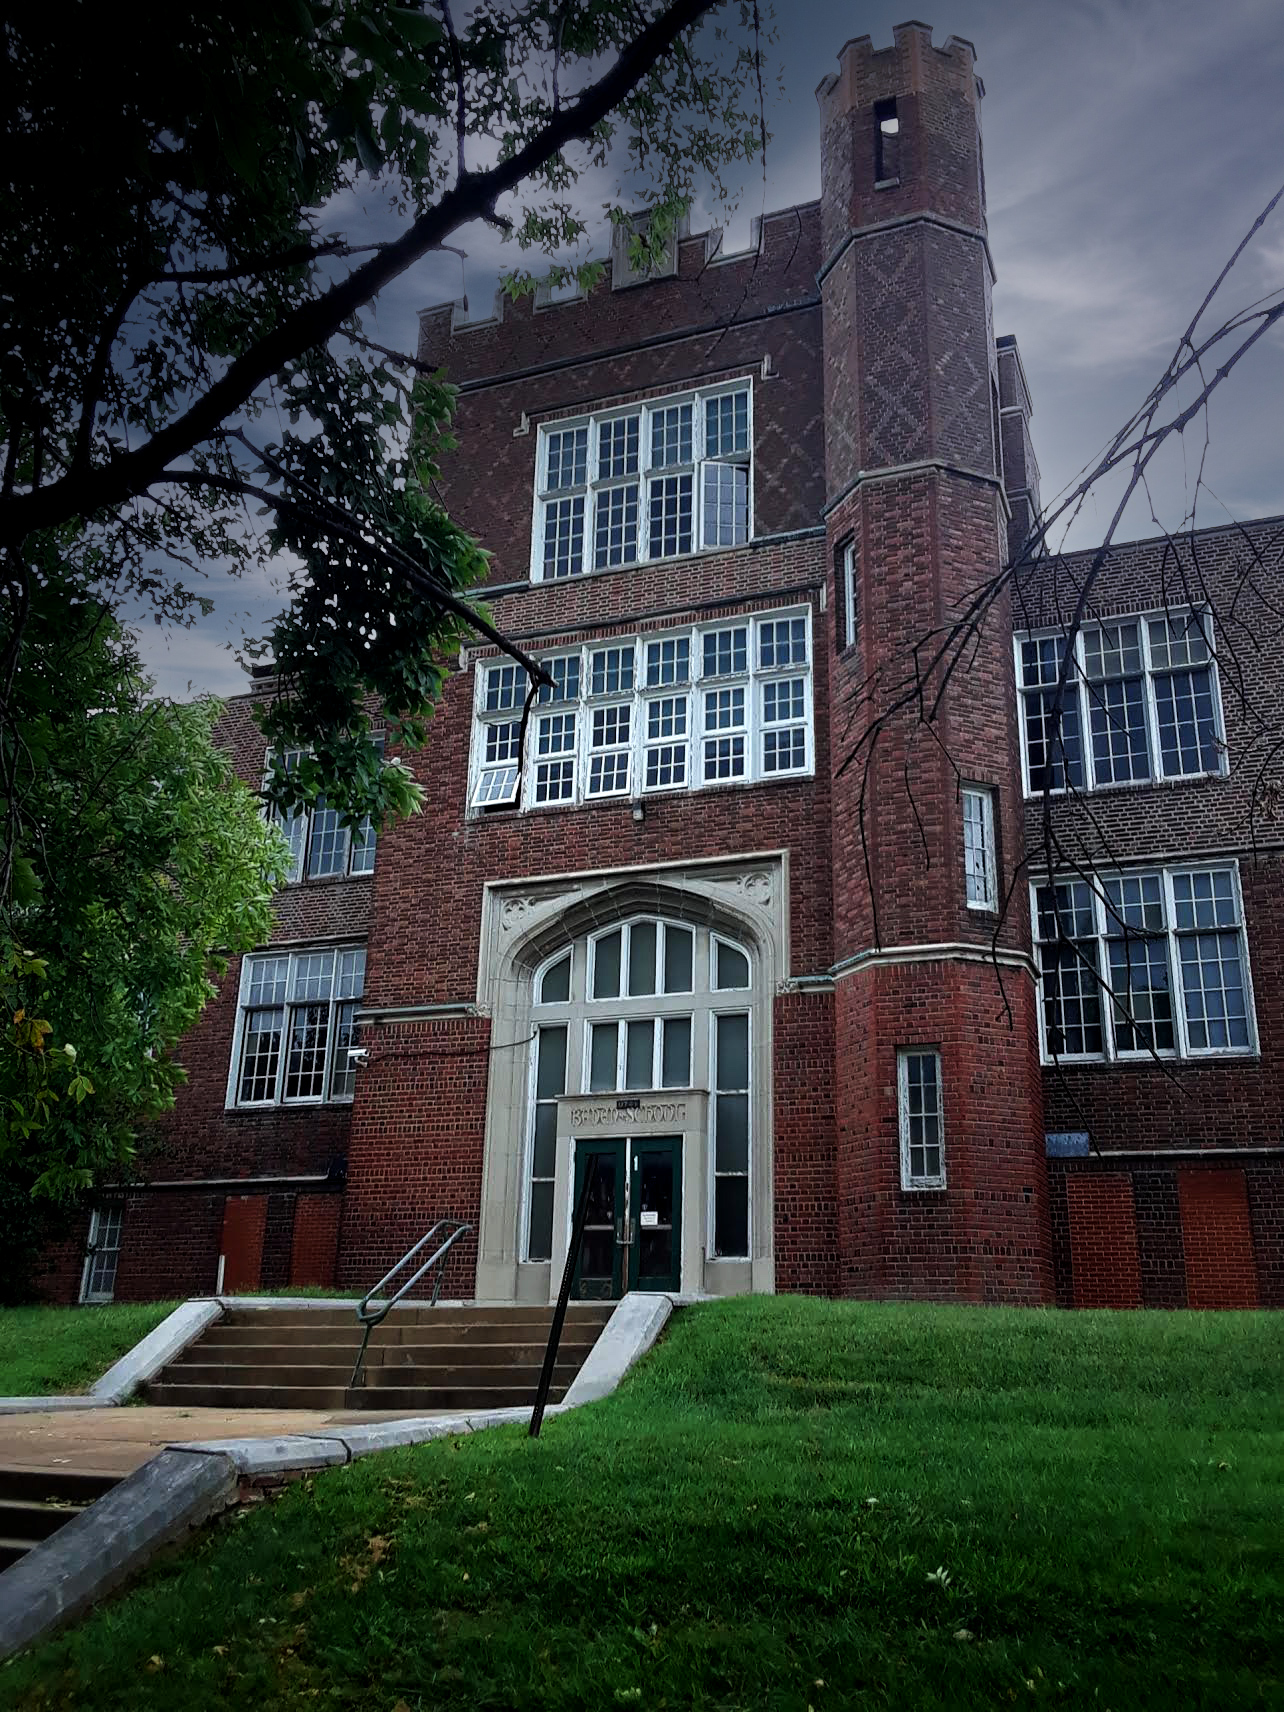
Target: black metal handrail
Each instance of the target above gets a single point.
(372, 1316)
(563, 1295)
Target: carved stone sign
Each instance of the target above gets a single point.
(622, 1112)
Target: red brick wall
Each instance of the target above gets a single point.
(416, 1152)
(806, 1222)
(314, 1250)
(170, 1244)
(1218, 1239)
(713, 321)
(1103, 1242)
(58, 1275)
(985, 1237)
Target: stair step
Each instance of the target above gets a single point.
(28, 1519)
(587, 1313)
(53, 1485)
(204, 1354)
(409, 1399)
(36, 1502)
(391, 1337)
(410, 1374)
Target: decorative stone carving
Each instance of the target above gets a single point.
(756, 889)
(514, 913)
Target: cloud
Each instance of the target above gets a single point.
(1129, 144)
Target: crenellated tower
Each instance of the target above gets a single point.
(941, 1179)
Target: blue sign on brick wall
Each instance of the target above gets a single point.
(1066, 1143)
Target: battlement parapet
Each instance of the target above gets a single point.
(910, 66)
(689, 251)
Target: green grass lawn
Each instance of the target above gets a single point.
(44, 1351)
(791, 1504)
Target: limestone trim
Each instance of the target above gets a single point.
(745, 898)
(947, 951)
(878, 227)
(378, 1014)
(894, 472)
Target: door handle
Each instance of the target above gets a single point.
(623, 1232)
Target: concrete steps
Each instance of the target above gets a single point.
(35, 1503)
(420, 1359)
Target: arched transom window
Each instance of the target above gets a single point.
(647, 1004)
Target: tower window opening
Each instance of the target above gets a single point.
(887, 143)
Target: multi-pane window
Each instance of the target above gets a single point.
(320, 846)
(1144, 963)
(921, 1109)
(1139, 702)
(629, 1009)
(102, 1254)
(295, 1027)
(654, 482)
(980, 873)
(718, 704)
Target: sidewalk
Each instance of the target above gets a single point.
(119, 1440)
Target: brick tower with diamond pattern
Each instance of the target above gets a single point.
(916, 523)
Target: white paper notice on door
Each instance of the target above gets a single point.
(649, 1219)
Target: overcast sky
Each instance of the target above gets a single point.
(1129, 145)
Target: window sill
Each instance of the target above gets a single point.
(311, 880)
(1164, 1062)
(1128, 785)
(503, 814)
(233, 1109)
(535, 582)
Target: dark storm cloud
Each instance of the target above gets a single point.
(1128, 148)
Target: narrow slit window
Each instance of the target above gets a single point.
(979, 867)
(922, 1120)
(887, 143)
(848, 568)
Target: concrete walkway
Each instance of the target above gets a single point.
(117, 1441)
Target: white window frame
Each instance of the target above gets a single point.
(909, 1181)
(588, 490)
(851, 605)
(114, 1214)
(1079, 691)
(985, 861)
(288, 1004)
(506, 784)
(300, 826)
(1181, 1050)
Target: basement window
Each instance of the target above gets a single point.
(102, 1254)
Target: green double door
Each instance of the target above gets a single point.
(633, 1232)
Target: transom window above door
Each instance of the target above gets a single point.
(647, 1004)
(664, 478)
